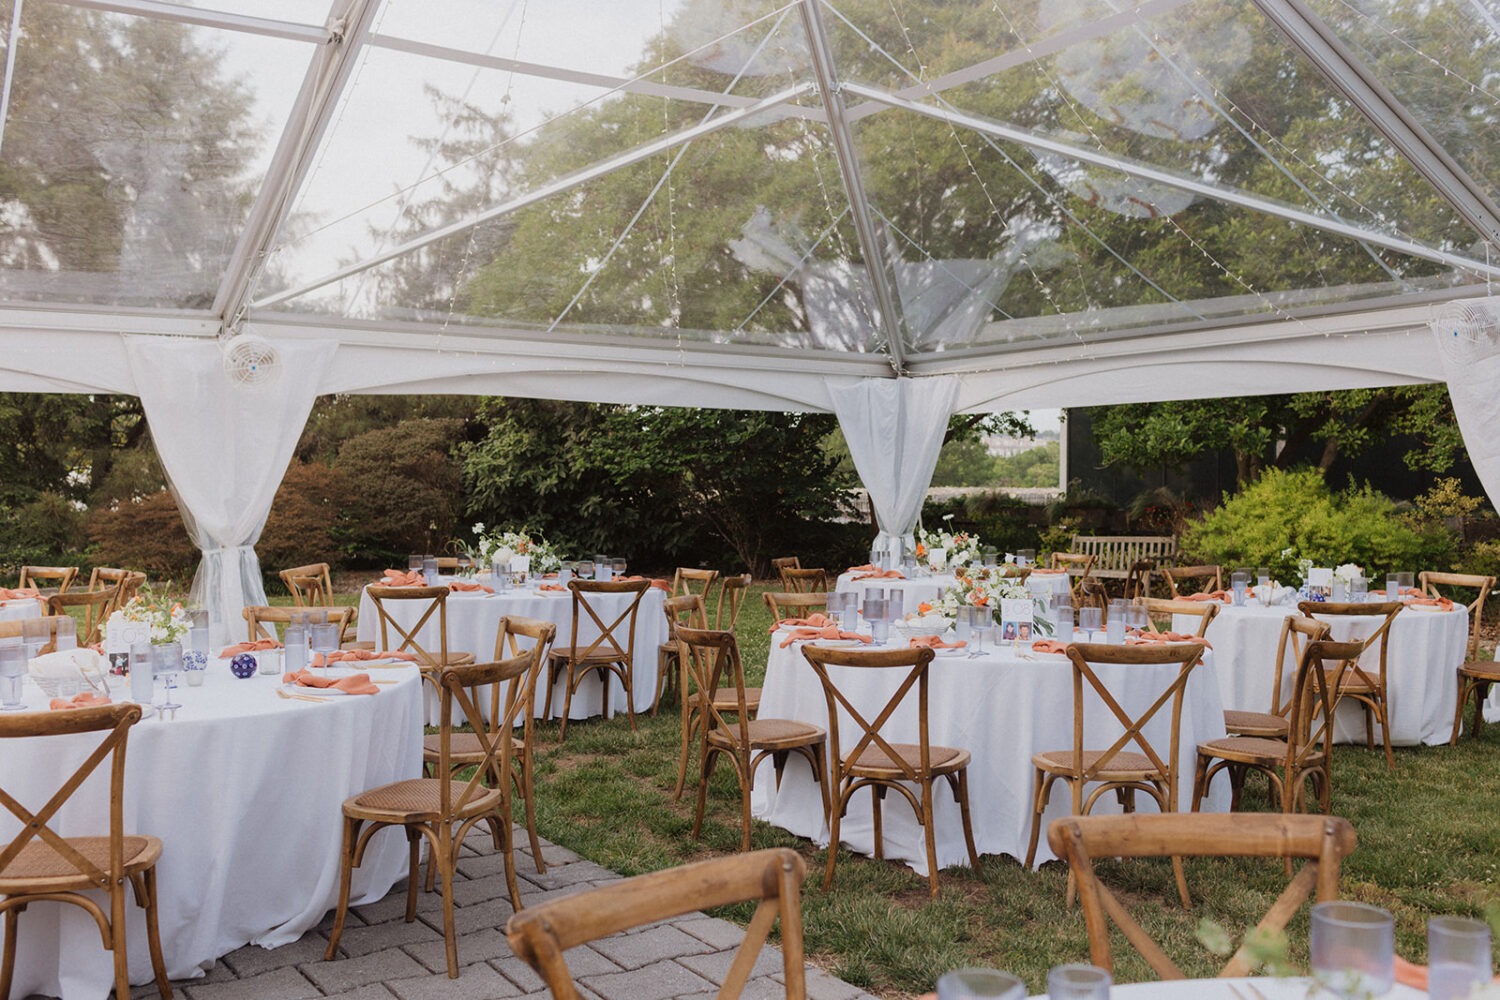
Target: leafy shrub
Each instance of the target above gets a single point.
(1482, 559)
(997, 518)
(46, 530)
(404, 489)
(145, 534)
(1287, 515)
(309, 519)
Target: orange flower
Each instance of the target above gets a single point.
(921, 550)
(923, 608)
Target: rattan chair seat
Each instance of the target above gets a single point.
(1247, 748)
(1354, 680)
(1125, 765)
(581, 653)
(412, 800)
(1481, 668)
(767, 733)
(726, 701)
(40, 862)
(874, 762)
(1254, 723)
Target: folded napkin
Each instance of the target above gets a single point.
(87, 699)
(549, 576)
(465, 588)
(1161, 637)
(1049, 646)
(934, 642)
(353, 684)
(1408, 592)
(357, 655)
(1432, 602)
(1213, 595)
(402, 578)
(19, 593)
(831, 632)
(552, 586)
(814, 620)
(659, 584)
(882, 574)
(259, 645)
(866, 568)
(1040, 571)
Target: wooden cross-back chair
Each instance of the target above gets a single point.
(785, 562)
(1296, 633)
(13, 628)
(261, 620)
(429, 661)
(1322, 841)
(39, 864)
(122, 582)
(542, 934)
(688, 580)
(1212, 578)
(61, 577)
(1358, 683)
(715, 675)
(1138, 579)
(804, 581)
(1079, 566)
(1091, 594)
(1481, 585)
(785, 605)
(310, 585)
(695, 703)
(873, 761)
(732, 590)
(442, 809)
(1161, 611)
(606, 654)
(689, 609)
(93, 607)
(1306, 754)
(1132, 763)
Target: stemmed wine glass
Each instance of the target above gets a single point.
(323, 639)
(167, 661)
(1090, 619)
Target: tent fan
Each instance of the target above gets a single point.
(251, 362)
(1476, 321)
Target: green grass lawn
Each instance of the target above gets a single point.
(1429, 843)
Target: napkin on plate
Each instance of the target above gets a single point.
(402, 578)
(934, 642)
(1213, 595)
(1442, 603)
(866, 568)
(1408, 592)
(1049, 646)
(814, 620)
(1161, 637)
(19, 593)
(831, 632)
(467, 588)
(353, 684)
(658, 583)
(258, 646)
(882, 574)
(357, 655)
(87, 699)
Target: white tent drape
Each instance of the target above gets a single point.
(224, 450)
(895, 429)
(1472, 370)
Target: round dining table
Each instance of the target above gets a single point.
(245, 790)
(21, 607)
(1002, 706)
(1247, 988)
(474, 619)
(1425, 648)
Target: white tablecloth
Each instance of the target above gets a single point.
(1425, 649)
(1049, 585)
(244, 789)
(25, 607)
(914, 591)
(1000, 707)
(1295, 988)
(474, 618)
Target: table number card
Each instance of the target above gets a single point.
(1320, 581)
(1016, 619)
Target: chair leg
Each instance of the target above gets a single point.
(747, 783)
(1200, 781)
(834, 815)
(413, 870)
(1385, 735)
(528, 793)
(1038, 806)
(8, 961)
(119, 952)
(450, 935)
(705, 771)
(1458, 709)
(508, 847)
(346, 875)
(929, 837)
(687, 736)
(877, 799)
(562, 734)
(627, 679)
(961, 790)
(153, 935)
(1481, 692)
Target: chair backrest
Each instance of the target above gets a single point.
(804, 581)
(543, 932)
(1010, 571)
(464, 686)
(1138, 579)
(785, 605)
(712, 659)
(1482, 585)
(95, 607)
(1309, 711)
(448, 564)
(785, 562)
(914, 662)
(1133, 739)
(1324, 841)
(1091, 594)
(1212, 578)
(1378, 636)
(62, 576)
(1161, 611)
(259, 616)
(586, 601)
(732, 591)
(512, 705)
(12, 628)
(1296, 633)
(114, 722)
(686, 610)
(410, 637)
(688, 580)
(310, 585)
(1081, 565)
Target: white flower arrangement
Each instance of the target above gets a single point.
(167, 622)
(961, 548)
(1304, 566)
(1348, 573)
(503, 545)
(986, 587)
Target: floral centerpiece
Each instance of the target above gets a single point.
(498, 544)
(958, 549)
(985, 587)
(165, 621)
(1348, 573)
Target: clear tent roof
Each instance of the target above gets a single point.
(916, 180)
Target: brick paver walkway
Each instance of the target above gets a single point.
(382, 956)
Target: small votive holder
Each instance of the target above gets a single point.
(269, 662)
(880, 631)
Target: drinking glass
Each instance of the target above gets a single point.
(872, 594)
(1262, 576)
(1089, 619)
(880, 631)
(1458, 957)
(1239, 582)
(1353, 948)
(1078, 982)
(1392, 588)
(963, 623)
(1359, 590)
(430, 571)
(413, 563)
(294, 646)
(323, 639)
(35, 632)
(1406, 581)
(1026, 556)
(198, 639)
(617, 567)
(167, 660)
(67, 638)
(991, 555)
(895, 603)
(970, 984)
(876, 611)
(198, 618)
(140, 673)
(1114, 625)
(564, 572)
(12, 677)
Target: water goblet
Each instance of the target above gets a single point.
(1090, 619)
(322, 640)
(895, 603)
(1076, 981)
(875, 611)
(12, 677)
(1353, 948)
(963, 623)
(617, 567)
(977, 640)
(973, 984)
(1262, 576)
(1458, 957)
(1406, 581)
(167, 657)
(414, 563)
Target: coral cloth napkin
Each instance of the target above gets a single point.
(657, 583)
(866, 568)
(358, 655)
(934, 642)
(814, 620)
(552, 587)
(353, 684)
(467, 588)
(19, 593)
(1040, 571)
(831, 632)
(1161, 637)
(1408, 592)
(882, 574)
(87, 699)
(1213, 595)
(259, 645)
(402, 578)
(1049, 646)
(1432, 602)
